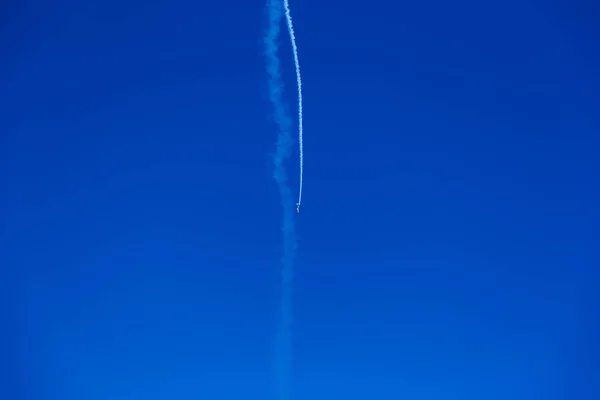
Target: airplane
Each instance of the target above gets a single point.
(298, 208)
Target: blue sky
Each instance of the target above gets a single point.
(448, 240)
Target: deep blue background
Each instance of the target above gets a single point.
(448, 240)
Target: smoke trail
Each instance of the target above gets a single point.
(283, 344)
(290, 25)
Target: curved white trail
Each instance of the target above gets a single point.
(290, 25)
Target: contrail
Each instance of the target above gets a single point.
(283, 344)
(290, 25)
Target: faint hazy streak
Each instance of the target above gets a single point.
(283, 349)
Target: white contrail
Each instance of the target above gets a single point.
(290, 25)
(283, 149)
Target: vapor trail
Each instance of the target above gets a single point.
(283, 344)
(290, 25)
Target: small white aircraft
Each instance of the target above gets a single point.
(298, 208)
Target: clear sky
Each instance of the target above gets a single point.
(448, 242)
